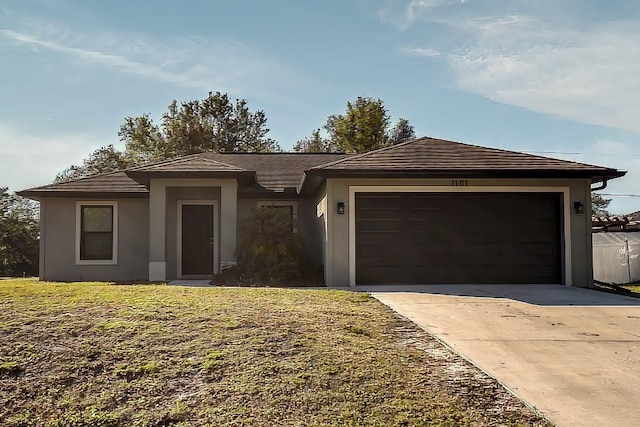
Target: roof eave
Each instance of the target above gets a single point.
(35, 194)
(145, 177)
(311, 178)
(467, 173)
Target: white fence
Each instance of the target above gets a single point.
(616, 257)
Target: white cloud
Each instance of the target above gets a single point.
(418, 51)
(29, 161)
(224, 65)
(590, 77)
(588, 74)
(415, 11)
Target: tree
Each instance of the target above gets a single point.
(316, 144)
(212, 124)
(599, 205)
(103, 160)
(363, 127)
(18, 235)
(402, 132)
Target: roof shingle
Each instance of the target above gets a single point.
(193, 163)
(280, 171)
(100, 185)
(440, 155)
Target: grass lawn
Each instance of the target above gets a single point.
(91, 354)
(635, 288)
(632, 290)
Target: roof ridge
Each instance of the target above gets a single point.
(221, 163)
(184, 159)
(357, 156)
(173, 159)
(273, 153)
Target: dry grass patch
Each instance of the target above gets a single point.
(102, 355)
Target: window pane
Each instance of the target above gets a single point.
(285, 215)
(286, 210)
(97, 218)
(96, 246)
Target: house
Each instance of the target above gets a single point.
(425, 211)
(612, 224)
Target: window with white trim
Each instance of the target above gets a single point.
(290, 207)
(96, 232)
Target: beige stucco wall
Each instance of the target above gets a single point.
(58, 242)
(337, 249)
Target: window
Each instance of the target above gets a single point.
(288, 207)
(96, 229)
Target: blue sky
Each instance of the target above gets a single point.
(558, 77)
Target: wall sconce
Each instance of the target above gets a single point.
(579, 207)
(340, 208)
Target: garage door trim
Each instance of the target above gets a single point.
(566, 219)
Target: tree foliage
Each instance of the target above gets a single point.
(599, 205)
(103, 160)
(402, 132)
(364, 126)
(18, 235)
(316, 144)
(212, 124)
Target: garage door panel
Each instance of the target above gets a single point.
(380, 262)
(378, 201)
(378, 237)
(458, 238)
(380, 226)
(376, 250)
(379, 214)
(380, 275)
(534, 248)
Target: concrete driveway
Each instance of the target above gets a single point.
(573, 354)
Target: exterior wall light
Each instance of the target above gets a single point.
(579, 207)
(340, 209)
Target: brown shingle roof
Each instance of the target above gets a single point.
(276, 171)
(193, 163)
(425, 157)
(273, 171)
(109, 184)
(430, 154)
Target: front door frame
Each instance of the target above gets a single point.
(216, 233)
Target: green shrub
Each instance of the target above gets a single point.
(269, 251)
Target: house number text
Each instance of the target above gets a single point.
(459, 182)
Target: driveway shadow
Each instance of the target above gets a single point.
(543, 295)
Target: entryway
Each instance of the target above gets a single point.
(197, 239)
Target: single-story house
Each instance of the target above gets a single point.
(425, 211)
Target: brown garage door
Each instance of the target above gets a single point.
(421, 238)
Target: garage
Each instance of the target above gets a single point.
(458, 238)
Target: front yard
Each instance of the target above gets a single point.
(104, 355)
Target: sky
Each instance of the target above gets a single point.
(559, 78)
